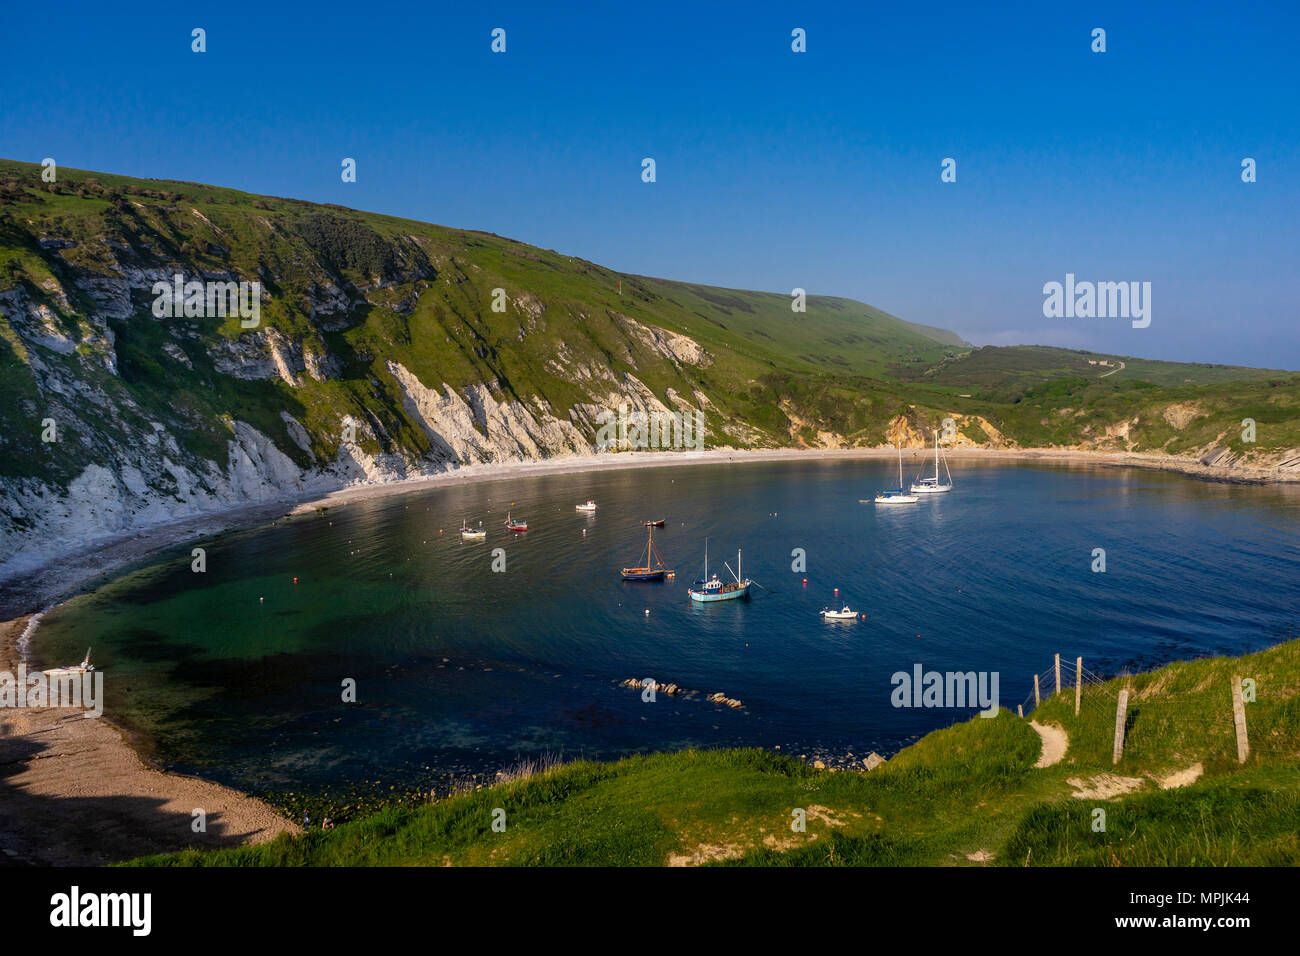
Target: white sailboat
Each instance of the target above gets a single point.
(933, 486)
(897, 496)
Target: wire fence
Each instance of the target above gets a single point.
(1162, 720)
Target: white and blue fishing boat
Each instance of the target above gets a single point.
(713, 589)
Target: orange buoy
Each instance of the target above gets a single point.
(295, 580)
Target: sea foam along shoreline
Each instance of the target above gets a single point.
(27, 591)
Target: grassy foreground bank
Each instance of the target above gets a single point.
(966, 795)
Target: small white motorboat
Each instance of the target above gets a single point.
(590, 506)
(845, 613)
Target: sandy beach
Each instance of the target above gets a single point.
(74, 791)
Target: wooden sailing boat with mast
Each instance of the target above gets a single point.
(653, 567)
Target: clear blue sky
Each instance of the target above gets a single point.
(775, 169)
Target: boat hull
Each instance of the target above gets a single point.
(708, 597)
(642, 574)
(930, 489)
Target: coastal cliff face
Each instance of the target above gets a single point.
(169, 349)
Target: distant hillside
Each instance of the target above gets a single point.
(389, 348)
(994, 368)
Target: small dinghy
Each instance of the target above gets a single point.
(589, 507)
(85, 667)
(653, 524)
(845, 613)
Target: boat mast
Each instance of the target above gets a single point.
(738, 578)
(936, 456)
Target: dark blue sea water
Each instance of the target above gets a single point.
(237, 673)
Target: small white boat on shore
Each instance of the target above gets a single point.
(845, 613)
(85, 667)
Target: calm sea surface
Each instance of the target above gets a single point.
(237, 673)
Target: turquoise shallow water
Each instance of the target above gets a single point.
(461, 669)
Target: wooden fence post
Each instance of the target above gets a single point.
(1058, 674)
(1239, 720)
(1036, 698)
(1078, 684)
(1120, 713)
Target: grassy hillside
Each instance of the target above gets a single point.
(350, 292)
(390, 323)
(966, 795)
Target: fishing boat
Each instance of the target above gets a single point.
(85, 667)
(589, 507)
(897, 496)
(713, 589)
(845, 613)
(513, 525)
(933, 486)
(653, 567)
(472, 534)
(653, 524)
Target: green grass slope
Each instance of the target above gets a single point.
(350, 294)
(965, 795)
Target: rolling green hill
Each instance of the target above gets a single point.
(389, 348)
